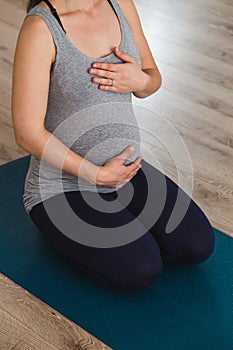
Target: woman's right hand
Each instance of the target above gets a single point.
(114, 173)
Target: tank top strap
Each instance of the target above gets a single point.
(121, 16)
(55, 27)
(52, 23)
(54, 12)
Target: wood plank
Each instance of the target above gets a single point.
(187, 60)
(29, 323)
(193, 12)
(12, 13)
(211, 41)
(212, 95)
(223, 7)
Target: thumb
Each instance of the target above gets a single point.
(126, 153)
(123, 56)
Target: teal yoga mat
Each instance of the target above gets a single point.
(188, 308)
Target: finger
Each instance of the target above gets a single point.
(102, 73)
(109, 88)
(105, 66)
(102, 81)
(125, 154)
(132, 167)
(132, 174)
(123, 56)
(110, 184)
(121, 183)
(138, 160)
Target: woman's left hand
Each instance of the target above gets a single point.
(119, 77)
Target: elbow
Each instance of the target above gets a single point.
(158, 82)
(21, 143)
(32, 142)
(29, 136)
(27, 143)
(155, 84)
(160, 79)
(19, 136)
(18, 139)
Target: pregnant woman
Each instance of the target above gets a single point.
(76, 65)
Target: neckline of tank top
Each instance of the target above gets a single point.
(110, 55)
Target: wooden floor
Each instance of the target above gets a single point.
(187, 131)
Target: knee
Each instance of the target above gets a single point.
(143, 276)
(202, 240)
(203, 249)
(196, 250)
(196, 239)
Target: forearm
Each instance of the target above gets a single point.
(55, 153)
(150, 84)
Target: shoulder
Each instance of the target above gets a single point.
(34, 24)
(34, 34)
(126, 3)
(130, 11)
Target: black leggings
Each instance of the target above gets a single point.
(137, 263)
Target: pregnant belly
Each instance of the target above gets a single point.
(102, 132)
(107, 141)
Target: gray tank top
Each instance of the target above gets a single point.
(96, 124)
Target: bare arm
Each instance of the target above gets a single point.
(153, 79)
(34, 54)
